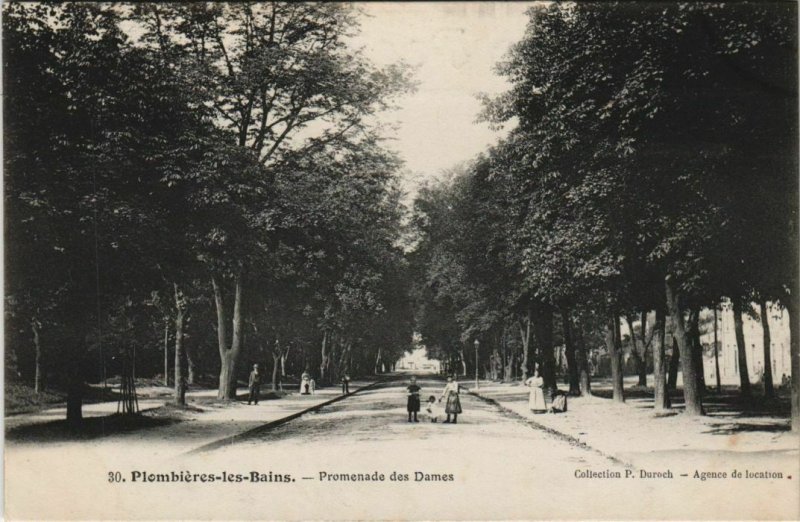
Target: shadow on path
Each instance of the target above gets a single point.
(91, 428)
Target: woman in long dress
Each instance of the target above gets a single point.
(452, 402)
(536, 398)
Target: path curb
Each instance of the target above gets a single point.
(258, 430)
(551, 431)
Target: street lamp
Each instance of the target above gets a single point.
(477, 345)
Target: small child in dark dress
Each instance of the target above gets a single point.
(413, 399)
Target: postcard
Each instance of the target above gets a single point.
(401, 261)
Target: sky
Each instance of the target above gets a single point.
(454, 47)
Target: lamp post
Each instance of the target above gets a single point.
(477, 345)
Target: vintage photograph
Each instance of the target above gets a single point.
(401, 261)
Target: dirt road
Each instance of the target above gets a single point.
(361, 459)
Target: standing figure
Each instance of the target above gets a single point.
(433, 409)
(413, 399)
(452, 402)
(346, 384)
(306, 381)
(254, 385)
(536, 398)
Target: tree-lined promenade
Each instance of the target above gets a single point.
(210, 180)
(650, 172)
(196, 176)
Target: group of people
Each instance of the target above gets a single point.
(452, 403)
(450, 396)
(307, 384)
(536, 398)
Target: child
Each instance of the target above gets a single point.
(433, 409)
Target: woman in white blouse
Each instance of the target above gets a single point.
(536, 398)
(452, 402)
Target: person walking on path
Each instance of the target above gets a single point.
(536, 398)
(346, 384)
(413, 399)
(254, 385)
(452, 402)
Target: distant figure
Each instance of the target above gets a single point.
(413, 399)
(559, 403)
(254, 385)
(452, 402)
(346, 384)
(536, 398)
(307, 384)
(433, 409)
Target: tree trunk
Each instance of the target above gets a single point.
(697, 350)
(284, 356)
(166, 352)
(464, 363)
(180, 384)
(75, 384)
(228, 356)
(674, 365)
(661, 399)
(331, 367)
(525, 335)
(378, 362)
(276, 361)
(37, 346)
(569, 348)
(741, 348)
(613, 344)
(543, 331)
(769, 389)
(716, 351)
(75, 405)
(507, 361)
(691, 393)
(640, 364)
(345, 364)
(324, 359)
(794, 352)
(191, 364)
(583, 365)
(342, 367)
(643, 367)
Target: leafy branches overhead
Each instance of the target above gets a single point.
(221, 156)
(271, 70)
(638, 135)
(649, 145)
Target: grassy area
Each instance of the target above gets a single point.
(20, 398)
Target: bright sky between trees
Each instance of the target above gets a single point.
(454, 47)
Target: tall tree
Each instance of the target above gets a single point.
(268, 72)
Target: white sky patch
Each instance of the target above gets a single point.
(454, 47)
